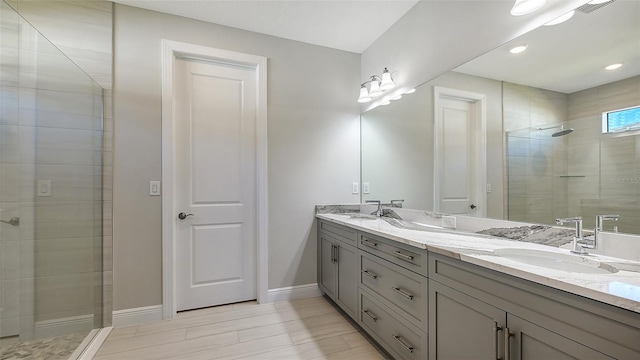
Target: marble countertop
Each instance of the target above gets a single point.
(620, 289)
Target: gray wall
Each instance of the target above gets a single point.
(438, 35)
(313, 135)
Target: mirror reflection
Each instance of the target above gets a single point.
(534, 143)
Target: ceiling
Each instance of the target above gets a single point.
(571, 56)
(350, 25)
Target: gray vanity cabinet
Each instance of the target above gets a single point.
(466, 328)
(477, 313)
(338, 265)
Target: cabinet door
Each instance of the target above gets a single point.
(532, 342)
(327, 267)
(347, 291)
(462, 327)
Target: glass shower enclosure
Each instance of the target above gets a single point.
(51, 141)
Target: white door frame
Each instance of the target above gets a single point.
(171, 50)
(480, 100)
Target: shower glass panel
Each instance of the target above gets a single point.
(50, 197)
(537, 174)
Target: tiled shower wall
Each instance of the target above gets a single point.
(51, 130)
(609, 162)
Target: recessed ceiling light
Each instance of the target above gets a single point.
(518, 49)
(560, 19)
(523, 7)
(613, 66)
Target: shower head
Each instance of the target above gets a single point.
(562, 132)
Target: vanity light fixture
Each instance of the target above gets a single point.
(518, 49)
(613, 66)
(523, 7)
(410, 91)
(560, 19)
(378, 85)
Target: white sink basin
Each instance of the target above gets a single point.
(556, 261)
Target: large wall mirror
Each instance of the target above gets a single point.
(521, 136)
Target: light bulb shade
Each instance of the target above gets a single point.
(523, 7)
(375, 90)
(387, 82)
(364, 95)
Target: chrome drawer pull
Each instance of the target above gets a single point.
(408, 296)
(369, 243)
(402, 256)
(370, 274)
(496, 330)
(405, 346)
(369, 314)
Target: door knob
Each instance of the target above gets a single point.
(472, 206)
(183, 216)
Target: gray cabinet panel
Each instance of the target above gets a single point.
(402, 290)
(462, 327)
(347, 294)
(326, 267)
(342, 233)
(400, 254)
(532, 342)
(401, 340)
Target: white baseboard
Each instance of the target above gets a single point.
(136, 316)
(294, 292)
(63, 326)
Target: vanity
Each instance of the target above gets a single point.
(443, 294)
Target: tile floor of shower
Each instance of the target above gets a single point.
(53, 348)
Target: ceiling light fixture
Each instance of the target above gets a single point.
(518, 49)
(613, 66)
(560, 19)
(523, 7)
(378, 85)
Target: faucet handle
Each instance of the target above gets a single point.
(377, 202)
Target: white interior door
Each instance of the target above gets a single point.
(460, 155)
(215, 180)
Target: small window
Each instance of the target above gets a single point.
(621, 120)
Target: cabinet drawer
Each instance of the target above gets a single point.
(402, 290)
(340, 232)
(404, 255)
(402, 340)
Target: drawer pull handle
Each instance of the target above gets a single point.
(370, 274)
(370, 314)
(402, 256)
(408, 296)
(369, 243)
(405, 346)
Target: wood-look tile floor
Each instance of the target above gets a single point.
(303, 329)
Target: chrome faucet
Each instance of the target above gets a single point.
(396, 203)
(577, 249)
(600, 219)
(379, 212)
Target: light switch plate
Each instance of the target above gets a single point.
(365, 187)
(354, 188)
(44, 188)
(154, 188)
